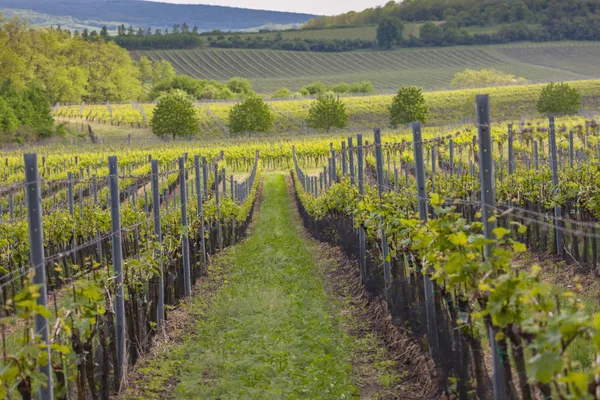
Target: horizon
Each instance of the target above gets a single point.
(307, 7)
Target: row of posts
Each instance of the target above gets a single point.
(36, 240)
(486, 169)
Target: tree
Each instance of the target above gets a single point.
(408, 106)
(175, 116)
(252, 115)
(559, 98)
(145, 68)
(327, 112)
(389, 31)
(104, 32)
(282, 93)
(315, 88)
(362, 87)
(431, 34)
(240, 86)
(190, 86)
(342, 87)
(8, 120)
(483, 77)
(162, 70)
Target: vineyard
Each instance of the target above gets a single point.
(448, 109)
(129, 234)
(100, 243)
(436, 224)
(430, 68)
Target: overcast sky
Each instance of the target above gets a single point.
(322, 7)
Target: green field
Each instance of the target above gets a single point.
(366, 32)
(430, 68)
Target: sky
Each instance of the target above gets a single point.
(320, 7)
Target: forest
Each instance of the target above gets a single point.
(536, 20)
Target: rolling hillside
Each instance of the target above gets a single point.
(430, 68)
(96, 13)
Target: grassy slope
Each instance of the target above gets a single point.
(447, 108)
(269, 332)
(430, 68)
(365, 32)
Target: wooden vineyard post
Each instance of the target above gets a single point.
(488, 205)
(184, 223)
(38, 263)
(351, 161)
(387, 272)
(200, 212)
(554, 167)
(117, 256)
(423, 215)
(160, 307)
(362, 235)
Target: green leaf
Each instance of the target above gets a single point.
(544, 366)
(519, 247)
(500, 232)
(458, 239)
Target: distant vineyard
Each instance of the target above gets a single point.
(430, 68)
(510, 103)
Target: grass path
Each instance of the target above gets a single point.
(269, 332)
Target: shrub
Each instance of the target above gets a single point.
(408, 106)
(559, 98)
(252, 115)
(282, 93)
(327, 112)
(175, 116)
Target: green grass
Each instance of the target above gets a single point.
(430, 68)
(365, 32)
(269, 332)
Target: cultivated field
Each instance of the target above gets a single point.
(364, 112)
(430, 68)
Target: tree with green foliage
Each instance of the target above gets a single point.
(175, 116)
(187, 84)
(8, 120)
(389, 32)
(341, 87)
(408, 106)
(282, 93)
(240, 86)
(161, 71)
(315, 88)
(470, 78)
(30, 105)
(251, 115)
(431, 34)
(327, 112)
(559, 98)
(145, 69)
(215, 90)
(362, 87)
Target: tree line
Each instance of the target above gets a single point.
(465, 12)
(277, 42)
(176, 116)
(390, 34)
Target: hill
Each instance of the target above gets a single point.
(146, 14)
(447, 108)
(469, 12)
(430, 68)
(540, 20)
